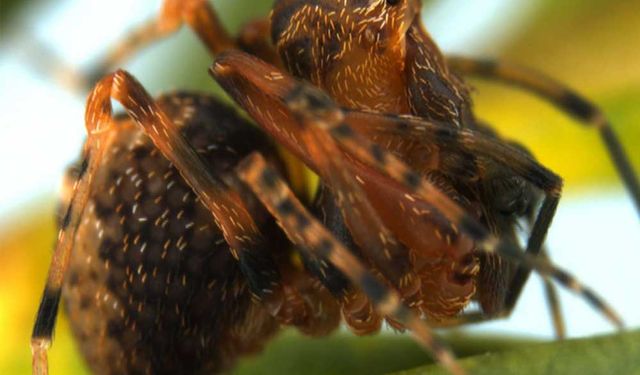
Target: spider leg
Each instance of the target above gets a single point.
(553, 303)
(391, 258)
(562, 97)
(476, 143)
(375, 240)
(535, 247)
(44, 325)
(368, 152)
(306, 232)
(358, 312)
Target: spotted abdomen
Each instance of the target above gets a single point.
(152, 285)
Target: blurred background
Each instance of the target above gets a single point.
(591, 45)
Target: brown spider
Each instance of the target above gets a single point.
(169, 256)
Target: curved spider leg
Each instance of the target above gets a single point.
(238, 227)
(562, 97)
(306, 232)
(44, 325)
(198, 14)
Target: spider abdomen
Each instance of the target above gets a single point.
(152, 286)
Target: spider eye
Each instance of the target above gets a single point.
(393, 2)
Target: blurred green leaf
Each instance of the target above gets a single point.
(618, 354)
(7, 8)
(343, 353)
(587, 44)
(560, 143)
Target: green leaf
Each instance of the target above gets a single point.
(344, 353)
(617, 354)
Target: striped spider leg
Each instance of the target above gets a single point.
(312, 237)
(562, 97)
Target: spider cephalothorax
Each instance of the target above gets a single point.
(343, 48)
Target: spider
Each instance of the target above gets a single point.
(183, 247)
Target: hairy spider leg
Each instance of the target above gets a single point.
(238, 72)
(395, 168)
(41, 336)
(312, 237)
(390, 257)
(562, 97)
(569, 102)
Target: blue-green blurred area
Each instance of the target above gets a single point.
(591, 45)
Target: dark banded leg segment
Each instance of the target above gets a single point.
(307, 233)
(41, 337)
(376, 241)
(562, 97)
(535, 248)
